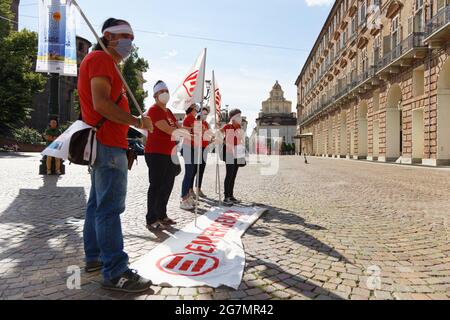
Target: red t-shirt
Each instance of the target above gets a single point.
(231, 136)
(189, 122)
(160, 142)
(101, 64)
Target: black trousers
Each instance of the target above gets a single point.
(230, 179)
(161, 174)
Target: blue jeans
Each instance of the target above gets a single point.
(103, 239)
(190, 155)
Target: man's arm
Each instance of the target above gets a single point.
(101, 96)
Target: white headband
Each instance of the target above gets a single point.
(237, 116)
(160, 86)
(122, 28)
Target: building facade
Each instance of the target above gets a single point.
(376, 84)
(276, 119)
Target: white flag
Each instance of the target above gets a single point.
(216, 99)
(191, 89)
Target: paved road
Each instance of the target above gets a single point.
(335, 229)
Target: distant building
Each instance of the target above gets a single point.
(276, 114)
(39, 116)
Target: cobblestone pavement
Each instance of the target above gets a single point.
(335, 229)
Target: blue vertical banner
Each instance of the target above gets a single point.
(57, 52)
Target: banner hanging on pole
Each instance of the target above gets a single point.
(57, 51)
(191, 89)
(211, 254)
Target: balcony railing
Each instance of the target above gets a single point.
(414, 40)
(340, 92)
(440, 20)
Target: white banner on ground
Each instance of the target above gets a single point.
(210, 254)
(60, 147)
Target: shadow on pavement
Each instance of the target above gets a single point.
(40, 232)
(285, 219)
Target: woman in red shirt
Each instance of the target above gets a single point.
(161, 157)
(191, 148)
(234, 141)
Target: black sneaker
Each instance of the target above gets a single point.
(233, 199)
(228, 202)
(129, 282)
(93, 266)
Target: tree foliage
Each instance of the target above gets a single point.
(18, 82)
(133, 70)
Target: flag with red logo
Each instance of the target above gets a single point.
(210, 253)
(216, 98)
(191, 89)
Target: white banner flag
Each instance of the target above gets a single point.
(60, 147)
(215, 100)
(191, 89)
(57, 50)
(210, 254)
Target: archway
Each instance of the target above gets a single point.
(329, 149)
(443, 116)
(394, 126)
(376, 140)
(362, 130)
(343, 150)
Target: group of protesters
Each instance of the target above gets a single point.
(103, 101)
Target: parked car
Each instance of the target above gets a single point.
(137, 146)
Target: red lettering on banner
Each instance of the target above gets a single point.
(196, 264)
(188, 264)
(199, 248)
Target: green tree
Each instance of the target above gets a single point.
(133, 70)
(76, 102)
(18, 83)
(5, 11)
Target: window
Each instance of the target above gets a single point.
(395, 32)
(362, 12)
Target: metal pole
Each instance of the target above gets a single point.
(53, 101)
(217, 127)
(199, 158)
(133, 98)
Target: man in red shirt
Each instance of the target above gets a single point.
(161, 158)
(104, 103)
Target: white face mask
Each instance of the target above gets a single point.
(238, 120)
(204, 116)
(164, 98)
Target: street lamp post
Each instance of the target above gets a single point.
(53, 101)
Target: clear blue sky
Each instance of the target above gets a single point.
(245, 73)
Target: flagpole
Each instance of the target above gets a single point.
(218, 187)
(200, 155)
(100, 42)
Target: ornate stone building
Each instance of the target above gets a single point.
(276, 114)
(376, 84)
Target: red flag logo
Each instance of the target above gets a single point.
(190, 83)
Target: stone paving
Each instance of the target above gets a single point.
(335, 229)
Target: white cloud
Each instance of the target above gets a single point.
(314, 3)
(171, 54)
